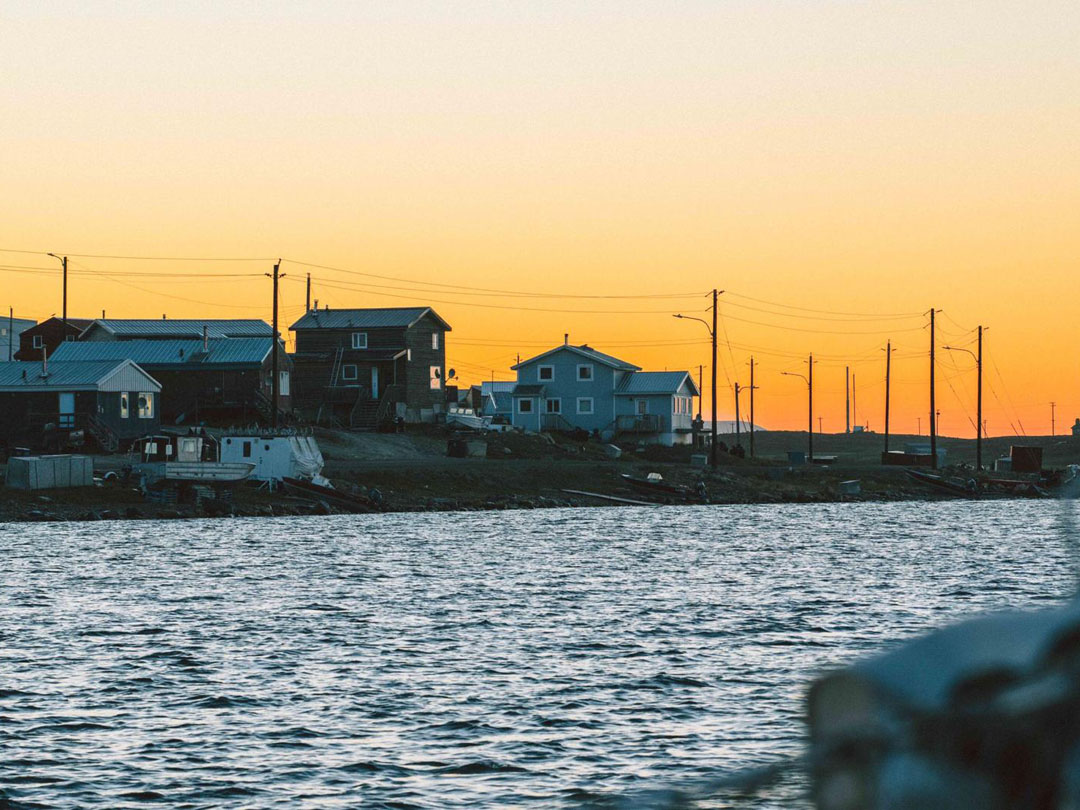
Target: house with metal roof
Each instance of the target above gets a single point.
(173, 329)
(53, 405)
(579, 388)
(215, 380)
(364, 367)
(40, 341)
(497, 399)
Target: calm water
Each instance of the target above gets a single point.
(515, 659)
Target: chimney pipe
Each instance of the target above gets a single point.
(44, 362)
(205, 338)
(566, 339)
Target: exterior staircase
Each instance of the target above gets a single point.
(364, 415)
(102, 433)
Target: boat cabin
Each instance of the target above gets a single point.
(175, 448)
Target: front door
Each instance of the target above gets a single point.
(67, 410)
(374, 382)
(642, 407)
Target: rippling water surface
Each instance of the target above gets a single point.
(542, 659)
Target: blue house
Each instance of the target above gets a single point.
(577, 387)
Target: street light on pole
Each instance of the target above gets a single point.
(63, 261)
(712, 334)
(979, 427)
(810, 407)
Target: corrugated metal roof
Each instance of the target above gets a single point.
(387, 317)
(182, 327)
(62, 376)
(158, 353)
(588, 352)
(654, 382)
(497, 386)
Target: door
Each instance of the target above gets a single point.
(374, 382)
(67, 410)
(643, 407)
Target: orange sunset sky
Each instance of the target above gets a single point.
(837, 167)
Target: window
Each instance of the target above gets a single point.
(146, 405)
(545, 372)
(69, 339)
(435, 378)
(585, 405)
(283, 385)
(525, 406)
(553, 405)
(642, 407)
(247, 449)
(124, 410)
(585, 373)
(39, 342)
(348, 372)
(435, 341)
(359, 340)
(408, 355)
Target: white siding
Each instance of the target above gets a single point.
(129, 377)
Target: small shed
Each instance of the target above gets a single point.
(275, 457)
(49, 472)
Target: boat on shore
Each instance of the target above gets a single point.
(308, 490)
(162, 459)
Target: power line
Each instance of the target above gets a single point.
(827, 311)
(141, 258)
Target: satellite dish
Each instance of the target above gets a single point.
(451, 374)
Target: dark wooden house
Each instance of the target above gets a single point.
(217, 380)
(47, 335)
(52, 405)
(364, 367)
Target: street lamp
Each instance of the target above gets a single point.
(810, 411)
(63, 261)
(979, 428)
(712, 334)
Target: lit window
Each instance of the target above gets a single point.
(124, 406)
(146, 405)
(349, 372)
(554, 405)
(435, 341)
(585, 405)
(359, 340)
(545, 372)
(435, 378)
(525, 406)
(585, 373)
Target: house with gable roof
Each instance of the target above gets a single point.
(363, 367)
(579, 388)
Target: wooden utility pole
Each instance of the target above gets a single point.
(888, 376)
(854, 410)
(981, 427)
(738, 429)
(933, 407)
(1053, 425)
(712, 446)
(810, 416)
(847, 400)
(752, 387)
(275, 383)
(307, 305)
(700, 389)
(10, 331)
(63, 261)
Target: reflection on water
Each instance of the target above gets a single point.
(540, 658)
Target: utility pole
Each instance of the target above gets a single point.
(275, 383)
(63, 261)
(810, 418)
(888, 375)
(847, 400)
(307, 305)
(854, 410)
(933, 407)
(712, 447)
(1053, 425)
(738, 431)
(820, 429)
(752, 387)
(700, 389)
(10, 331)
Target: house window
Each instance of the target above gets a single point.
(435, 341)
(585, 405)
(39, 342)
(554, 405)
(359, 340)
(349, 372)
(283, 383)
(146, 405)
(545, 373)
(585, 373)
(642, 407)
(69, 339)
(124, 410)
(525, 406)
(435, 379)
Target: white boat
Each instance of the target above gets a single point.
(193, 458)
